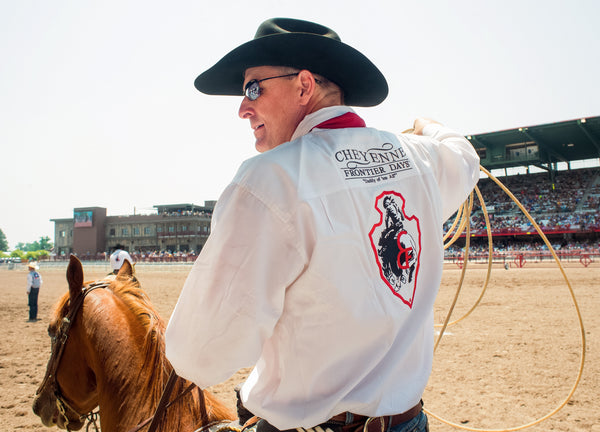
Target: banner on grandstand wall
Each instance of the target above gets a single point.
(83, 219)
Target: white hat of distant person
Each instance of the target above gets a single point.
(118, 257)
(33, 265)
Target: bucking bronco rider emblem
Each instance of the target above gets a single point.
(396, 242)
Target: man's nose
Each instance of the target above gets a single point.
(244, 112)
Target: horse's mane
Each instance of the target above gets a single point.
(131, 294)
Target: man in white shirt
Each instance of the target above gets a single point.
(34, 282)
(328, 286)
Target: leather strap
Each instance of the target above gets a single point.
(163, 405)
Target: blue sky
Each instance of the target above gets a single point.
(98, 108)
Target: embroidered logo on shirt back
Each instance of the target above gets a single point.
(396, 243)
(374, 165)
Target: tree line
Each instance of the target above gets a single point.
(34, 251)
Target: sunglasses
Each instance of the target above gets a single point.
(252, 89)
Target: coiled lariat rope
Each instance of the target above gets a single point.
(466, 213)
(463, 215)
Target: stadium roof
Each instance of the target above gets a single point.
(541, 145)
(208, 205)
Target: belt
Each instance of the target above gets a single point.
(376, 424)
(344, 422)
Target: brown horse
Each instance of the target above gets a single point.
(108, 352)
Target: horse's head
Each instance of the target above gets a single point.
(69, 389)
(108, 351)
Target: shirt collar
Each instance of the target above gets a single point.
(318, 117)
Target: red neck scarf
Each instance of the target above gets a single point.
(348, 120)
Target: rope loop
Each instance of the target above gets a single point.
(463, 221)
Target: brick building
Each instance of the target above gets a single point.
(174, 228)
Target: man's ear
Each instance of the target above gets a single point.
(307, 86)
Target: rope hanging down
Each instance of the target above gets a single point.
(463, 220)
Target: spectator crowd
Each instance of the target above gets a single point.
(564, 209)
(569, 204)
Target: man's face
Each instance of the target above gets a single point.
(275, 114)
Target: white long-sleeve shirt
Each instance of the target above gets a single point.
(321, 270)
(34, 280)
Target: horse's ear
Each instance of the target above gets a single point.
(75, 277)
(126, 270)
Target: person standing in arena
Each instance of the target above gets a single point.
(34, 283)
(327, 287)
(117, 258)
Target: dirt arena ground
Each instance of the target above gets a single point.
(513, 360)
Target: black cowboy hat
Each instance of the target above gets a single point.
(302, 45)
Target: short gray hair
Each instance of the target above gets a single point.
(327, 85)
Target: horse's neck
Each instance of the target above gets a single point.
(136, 402)
(131, 374)
(130, 370)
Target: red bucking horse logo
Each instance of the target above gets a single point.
(396, 242)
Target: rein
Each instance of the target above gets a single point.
(163, 404)
(57, 351)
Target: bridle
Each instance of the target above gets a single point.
(58, 347)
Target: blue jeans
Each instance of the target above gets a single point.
(418, 424)
(33, 303)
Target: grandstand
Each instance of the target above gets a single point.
(173, 230)
(553, 170)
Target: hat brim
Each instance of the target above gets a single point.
(363, 84)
